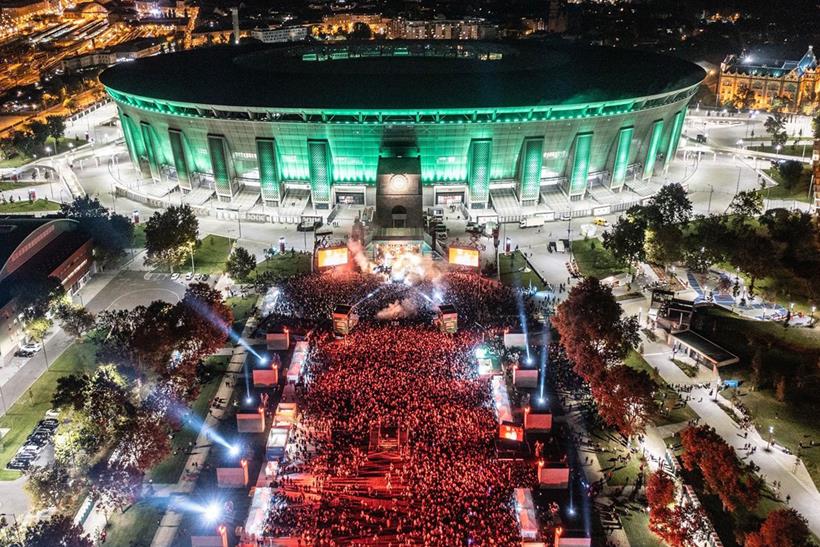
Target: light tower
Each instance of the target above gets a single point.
(235, 18)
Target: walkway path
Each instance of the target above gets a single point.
(169, 526)
(775, 465)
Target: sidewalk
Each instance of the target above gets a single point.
(774, 465)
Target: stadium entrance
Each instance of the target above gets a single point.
(398, 194)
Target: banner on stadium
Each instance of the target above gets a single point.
(331, 256)
(463, 256)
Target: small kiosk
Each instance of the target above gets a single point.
(447, 318)
(265, 374)
(277, 442)
(250, 416)
(344, 319)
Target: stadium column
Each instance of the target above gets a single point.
(218, 150)
(621, 161)
(529, 170)
(178, 149)
(138, 145)
(479, 159)
(674, 139)
(580, 164)
(321, 172)
(268, 170)
(655, 135)
(151, 147)
(125, 123)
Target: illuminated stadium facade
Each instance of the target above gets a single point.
(319, 118)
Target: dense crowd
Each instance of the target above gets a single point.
(444, 486)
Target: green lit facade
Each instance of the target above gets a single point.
(263, 149)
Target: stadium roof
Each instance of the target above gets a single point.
(402, 75)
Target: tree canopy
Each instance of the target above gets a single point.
(171, 234)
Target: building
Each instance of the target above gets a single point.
(20, 11)
(763, 81)
(160, 9)
(122, 52)
(276, 35)
(522, 120)
(442, 29)
(32, 248)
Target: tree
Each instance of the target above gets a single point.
(791, 172)
(746, 205)
(664, 245)
(660, 490)
(744, 98)
(625, 240)
(71, 391)
(670, 205)
(815, 125)
(112, 233)
(204, 321)
(360, 31)
(35, 296)
(706, 242)
(36, 329)
(754, 254)
(625, 399)
(723, 475)
(676, 525)
(591, 328)
(52, 486)
(782, 528)
(107, 403)
(144, 444)
(240, 264)
(75, 320)
(56, 128)
(59, 530)
(171, 234)
(775, 125)
(117, 486)
(38, 131)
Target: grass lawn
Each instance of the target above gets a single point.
(623, 473)
(139, 236)
(136, 526)
(799, 192)
(169, 469)
(27, 411)
(636, 528)
(787, 150)
(674, 412)
(594, 260)
(285, 265)
(16, 161)
(9, 185)
(211, 255)
(26, 206)
(241, 306)
(515, 271)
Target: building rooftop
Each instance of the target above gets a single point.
(402, 75)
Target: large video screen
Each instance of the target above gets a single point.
(332, 256)
(464, 257)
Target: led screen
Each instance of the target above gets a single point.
(333, 256)
(464, 257)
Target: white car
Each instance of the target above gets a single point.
(32, 347)
(189, 276)
(175, 276)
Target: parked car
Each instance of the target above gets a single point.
(33, 347)
(175, 276)
(189, 276)
(206, 277)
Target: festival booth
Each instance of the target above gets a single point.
(254, 530)
(232, 477)
(525, 513)
(501, 400)
(278, 341)
(250, 417)
(207, 541)
(344, 319)
(286, 414)
(277, 442)
(574, 542)
(553, 477)
(525, 377)
(289, 393)
(515, 340)
(266, 375)
(537, 422)
(297, 362)
(447, 318)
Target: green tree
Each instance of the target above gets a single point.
(670, 205)
(39, 132)
(71, 391)
(775, 125)
(790, 171)
(52, 486)
(75, 320)
(625, 240)
(744, 98)
(56, 530)
(170, 235)
(36, 296)
(746, 205)
(112, 233)
(240, 264)
(56, 129)
(360, 31)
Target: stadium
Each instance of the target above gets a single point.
(499, 128)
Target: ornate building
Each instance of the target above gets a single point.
(747, 81)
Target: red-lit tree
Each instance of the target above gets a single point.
(723, 474)
(624, 398)
(782, 528)
(678, 526)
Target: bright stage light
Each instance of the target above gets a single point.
(248, 400)
(528, 360)
(571, 511)
(212, 512)
(233, 450)
(263, 359)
